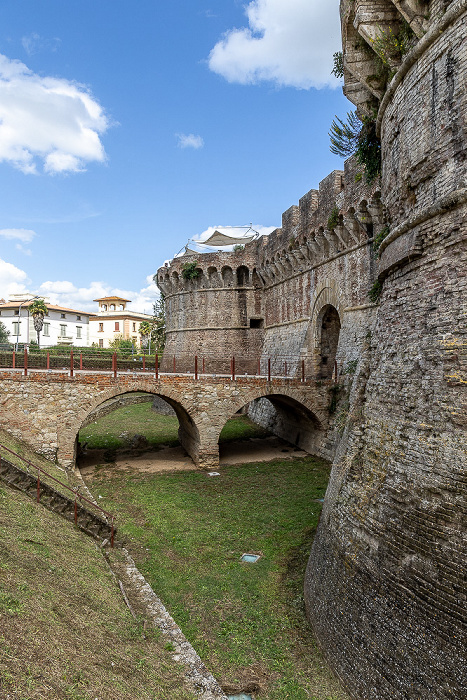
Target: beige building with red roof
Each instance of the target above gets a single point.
(113, 320)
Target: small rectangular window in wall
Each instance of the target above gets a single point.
(62, 316)
(78, 318)
(117, 326)
(101, 327)
(62, 330)
(101, 343)
(46, 329)
(256, 323)
(134, 328)
(16, 330)
(78, 331)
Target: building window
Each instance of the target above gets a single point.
(101, 343)
(112, 307)
(104, 307)
(134, 328)
(16, 312)
(101, 327)
(46, 329)
(256, 323)
(62, 316)
(16, 329)
(62, 330)
(117, 326)
(78, 318)
(78, 331)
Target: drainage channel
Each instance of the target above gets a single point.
(242, 696)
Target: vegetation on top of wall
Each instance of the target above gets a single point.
(391, 47)
(358, 137)
(333, 218)
(237, 247)
(190, 270)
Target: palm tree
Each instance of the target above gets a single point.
(145, 330)
(38, 309)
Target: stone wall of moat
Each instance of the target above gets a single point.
(385, 585)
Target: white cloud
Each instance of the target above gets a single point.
(47, 121)
(34, 43)
(190, 141)
(19, 234)
(12, 280)
(65, 293)
(288, 43)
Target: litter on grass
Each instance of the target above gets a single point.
(251, 559)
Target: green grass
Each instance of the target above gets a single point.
(65, 631)
(159, 430)
(138, 419)
(188, 532)
(22, 450)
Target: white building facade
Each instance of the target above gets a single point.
(113, 320)
(62, 326)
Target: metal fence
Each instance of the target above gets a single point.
(291, 367)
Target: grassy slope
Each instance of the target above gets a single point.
(188, 532)
(64, 629)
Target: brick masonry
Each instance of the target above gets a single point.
(385, 586)
(47, 410)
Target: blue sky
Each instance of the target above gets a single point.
(127, 128)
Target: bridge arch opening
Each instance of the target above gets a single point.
(273, 425)
(145, 422)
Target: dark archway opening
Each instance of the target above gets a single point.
(270, 427)
(330, 330)
(137, 426)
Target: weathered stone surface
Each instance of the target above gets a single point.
(47, 410)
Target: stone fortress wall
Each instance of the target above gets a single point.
(385, 586)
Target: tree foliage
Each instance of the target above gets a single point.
(357, 137)
(37, 309)
(3, 333)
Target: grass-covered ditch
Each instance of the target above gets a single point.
(187, 532)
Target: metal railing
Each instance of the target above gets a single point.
(289, 367)
(76, 494)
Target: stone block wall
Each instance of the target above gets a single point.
(385, 585)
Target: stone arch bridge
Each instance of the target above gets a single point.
(47, 409)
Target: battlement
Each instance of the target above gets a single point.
(342, 214)
(379, 37)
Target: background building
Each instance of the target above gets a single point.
(62, 326)
(114, 320)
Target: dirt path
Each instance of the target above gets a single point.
(176, 459)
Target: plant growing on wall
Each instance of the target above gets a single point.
(333, 219)
(38, 310)
(357, 137)
(375, 292)
(392, 47)
(380, 237)
(190, 270)
(338, 62)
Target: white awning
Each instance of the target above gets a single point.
(221, 239)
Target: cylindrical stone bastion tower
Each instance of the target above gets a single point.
(386, 581)
(213, 310)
